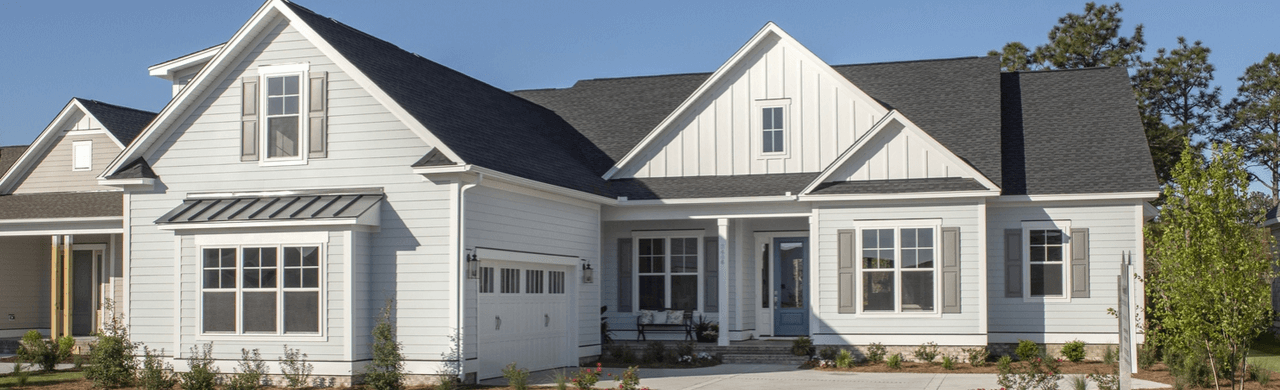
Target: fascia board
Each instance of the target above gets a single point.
(490, 174)
(168, 69)
(142, 183)
(705, 88)
(263, 224)
(42, 143)
(1141, 195)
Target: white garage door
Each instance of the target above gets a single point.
(523, 316)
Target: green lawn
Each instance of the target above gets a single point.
(1266, 353)
(8, 381)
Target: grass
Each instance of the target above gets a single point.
(37, 378)
(1266, 352)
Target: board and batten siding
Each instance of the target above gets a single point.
(507, 220)
(720, 134)
(1113, 230)
(833, 327)
(407, 259)
(53, 172)
(895, 153)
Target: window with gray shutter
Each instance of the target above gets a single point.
(951, 270)
(249, 119)
(624, 275)
(711, 275)
(1079, 263)
(1013, 263)
(847, 272)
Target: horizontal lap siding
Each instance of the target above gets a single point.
(608, 272)
(512, 221)
(25, 261)
(1112, 230)
(368, 147)
(53, 172)
(832, 219)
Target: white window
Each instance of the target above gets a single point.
(1046, 259)
(82, 155)
(773, 130)
(771, 126)
(668, 273)
(899, 269)
(261, 289)
(284, 132)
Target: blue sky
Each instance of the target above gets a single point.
(54, 50)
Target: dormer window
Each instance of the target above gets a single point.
(771, 124)
(773, 130)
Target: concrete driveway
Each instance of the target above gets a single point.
(762, 376)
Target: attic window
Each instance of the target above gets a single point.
(82, 155)
(771, 124)
(773, 130)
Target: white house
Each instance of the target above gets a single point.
(305, 173)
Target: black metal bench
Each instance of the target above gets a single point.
(685, 325)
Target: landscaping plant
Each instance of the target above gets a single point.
(1079, 382)
(655, 352)
(1106, 381)
(587, 377)
(926, 352)
(1027, 350)
(517, 378)
(1034, 372)
(44, 353)
(386, 371)
(629, 379)
(828, 353)
(977, 356)
(802, 346)
(20, 374)
(201, 374)
(684, 349)
(561, 380)
(111, 362)
(948, 363)
(1073, 351)
(895, 361)
(876, 352)
(248, 372)
(1109, 357)
(844, 359)
(296, 370)
(1148, 355)
(155, 374)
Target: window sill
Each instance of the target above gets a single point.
(273, 163)
(251, 336)
(873, 315)
(1030, 299)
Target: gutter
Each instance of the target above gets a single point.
(462, 270)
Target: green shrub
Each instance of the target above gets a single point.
(155, 374)
(684, 349)
(926, 352)
(44, 353)
(561, 380)
(1032, 372)
(1148, 355)
(629, 379)
(948, 363)
(1079, 382)
(111, 362)
(1262, 375)
(876, 352)
(802, 346)
(895, 361)
(249, 371)
(294, 367)
(655, 352)
(976, 357)
(844, 359)
(20, 374)
(1005, 363)
(587, 377)
(386, 371)
(201, 374)
(1109, 357)
(1073, 351)
(517, 378)
(1027, 350)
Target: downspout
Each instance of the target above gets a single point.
(462, 274)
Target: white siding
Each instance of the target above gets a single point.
(368, 147)
(896, 153)
(53, 173)
(720, 135)
(1112, 228)
(834, 218)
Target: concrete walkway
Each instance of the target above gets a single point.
(762, 376)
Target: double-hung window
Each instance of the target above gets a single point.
(771, 124)
(261, 289)
(898, 267)
(668, 273)
(284, 112)
(283, 117)
(773, 138)
(1047, 260)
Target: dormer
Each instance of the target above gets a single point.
(180, 71)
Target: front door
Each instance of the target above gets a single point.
(791, 312)
(82, 288)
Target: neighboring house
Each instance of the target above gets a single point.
(305, 173)
(59, 229)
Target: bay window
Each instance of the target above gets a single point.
(257, 289)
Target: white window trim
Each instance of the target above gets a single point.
(75, 156)
(303, 71)
(278, 240)
(1027, 227)
(757, 129)
(897, 226)
(666, 235)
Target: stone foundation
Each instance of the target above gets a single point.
(1092, 352)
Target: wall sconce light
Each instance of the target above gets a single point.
(588, 274)
(473, 264)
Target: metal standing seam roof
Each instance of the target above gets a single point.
(293, 207)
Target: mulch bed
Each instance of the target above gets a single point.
(1160, 373)
(964, 368)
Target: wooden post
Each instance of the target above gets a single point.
(54, 282)
(66, 286)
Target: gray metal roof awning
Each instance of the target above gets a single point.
(287, 208)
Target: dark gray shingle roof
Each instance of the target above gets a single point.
(123, 122)
(942, 184)
(136, 169)
(1073, 132)
(712, 186)
(62, 205)
(9, 155)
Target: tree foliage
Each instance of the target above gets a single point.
(1176, 101)
(1079, 41)
(1209, 282)
(1252, 120)
(386, 372)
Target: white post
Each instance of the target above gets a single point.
(722, 233)
(1125, 344)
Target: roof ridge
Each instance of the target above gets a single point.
(114, 105)
(1057, 70)
(914, 61)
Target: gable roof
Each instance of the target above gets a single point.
(1072, 132)
(122, 122)
(9, 155)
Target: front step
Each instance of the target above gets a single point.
(757, 358)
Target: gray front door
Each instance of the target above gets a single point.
(82, 293)
(791, 314)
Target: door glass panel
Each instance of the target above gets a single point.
(765, 266)
(791, 275)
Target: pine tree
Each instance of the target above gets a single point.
(1252, 120)
(1176, 101)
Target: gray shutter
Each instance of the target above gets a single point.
(1013, 263)
(847, 273)
(950, 270)
(624, 275)
(319, 134)
(1079, 263)
(711, 275)
(249, 119)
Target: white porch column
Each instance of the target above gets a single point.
(723, 234)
